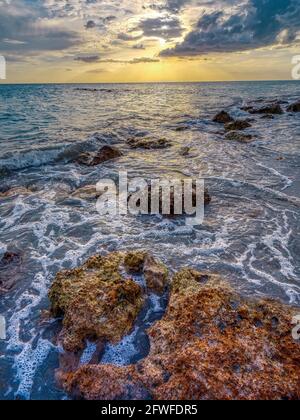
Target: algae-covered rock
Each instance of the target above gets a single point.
(105, 154)
(96, 302)
(148, 143)
(211, 344)
(134, 262)
(156, 274)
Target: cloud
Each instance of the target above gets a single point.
(23, 30)
(96, 59)
(253, 24)
(167, 27)
(88, 58)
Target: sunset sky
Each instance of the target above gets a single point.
(144, 41)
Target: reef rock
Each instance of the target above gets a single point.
(237, 125)
(185, 151)
(105, 154)
(211, 344)
(294, 107)
(96, 302)
(240, 137)
(156, 275)
(223, 118)
(148, 143)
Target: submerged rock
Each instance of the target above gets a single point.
(10, 270)
(223, 118)
(238, 125)
(89, 192)
(273, 108)
(185, 151)
(14, 192)
(148, 143)
(268, 117)
(240, 137)
(295, 107)
(105, 154)
(211, 344)
(182, 128)
(106, 304)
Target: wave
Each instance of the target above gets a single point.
(66, 152)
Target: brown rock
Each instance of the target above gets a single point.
(238, 125)
(89, 192)
(274, 108)
(156, 275)
(105, 154)
(212, 344)
(240, 137)
(15, 192)
(134, 262)
(106, 303)
(223, 118)
(148, 143)
(185, 151)
(294, 107)
(10, 271)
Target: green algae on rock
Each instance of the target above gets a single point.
(211, 344)
(96, 302)
(106, 303)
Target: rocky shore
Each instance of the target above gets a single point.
(212, 343)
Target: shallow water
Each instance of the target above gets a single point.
(250, 233)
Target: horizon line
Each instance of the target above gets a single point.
(146, 83)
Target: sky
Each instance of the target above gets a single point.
(82, 41)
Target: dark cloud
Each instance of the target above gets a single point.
(173, 6)
(96, 59)
(88, 58)
(167, 27)
(255, 24)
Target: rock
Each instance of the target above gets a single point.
(268, 117)
(184, 151)
(148, 143)
(89, 192)
(223, 118)
(105, 154)
(237, 125)
(273, 108)
(134, 262)
(15, 192)
(182, 128)
(295, 107)
(156, 275)
(106, 303)
(10, 271)
(240, 137)
(211, 344)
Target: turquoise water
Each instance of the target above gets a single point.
(251, 230)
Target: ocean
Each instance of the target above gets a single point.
(250, 234)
